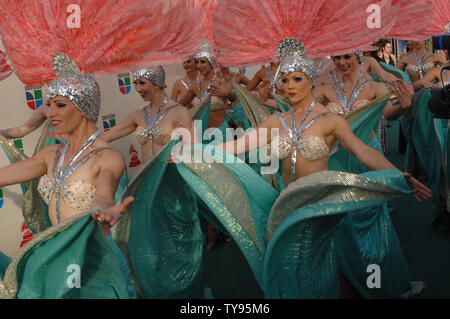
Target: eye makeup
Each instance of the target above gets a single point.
(345, 57)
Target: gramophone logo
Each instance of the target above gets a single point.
(27, 234)
(34, 97)
(124, 83)
(19, 144)
(109, 121)
(134, 157)
(1, 198)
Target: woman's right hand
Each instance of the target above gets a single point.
(420, 190)
(108, 217)
(264, 91)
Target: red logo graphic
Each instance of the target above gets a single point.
(27, 236)
(134, 161)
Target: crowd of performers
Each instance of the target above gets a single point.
(307, 230)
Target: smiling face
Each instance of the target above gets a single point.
(63, 113)
(189, 64)
(203, 66)
(296, 85)
(145, 88)
(346, 63)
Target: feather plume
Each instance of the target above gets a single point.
(440, 23)
(248, 32)
(112, 36)
(411, 18)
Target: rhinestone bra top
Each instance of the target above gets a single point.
(412, 69)
(309, 147)
(142, 136)
(337, 109)
(77, 194)
(151, 131)
(216, 104)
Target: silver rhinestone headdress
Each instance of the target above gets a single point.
(154, 74)
(81, 89)
(205, 51)
(292, 55)
(360, 55)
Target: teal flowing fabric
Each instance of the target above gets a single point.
(34, 209)
(40, 272)
(282, 103)
(268, 237)
(395, 71)
(47, 266)
(237, 196)
(4, 262)
(301, 259)
(368, 236)
(238, 116)
(426, 146)
(362, 125)
(164, 240)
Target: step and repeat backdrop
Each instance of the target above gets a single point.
(17, 104)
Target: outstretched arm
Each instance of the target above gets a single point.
(372, 158)
(106, 213)
(25, 170)
(122, 129)
(255, 80)
(380, 73)
(29, 126)
(243, 79)
(187, 97)
(175, 91)
(404, 93)
(253, 140)
(427, 80)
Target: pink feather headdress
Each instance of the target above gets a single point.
(412, 17)
(440, 23)
(248, 32)
(112, 36)
(207, 48)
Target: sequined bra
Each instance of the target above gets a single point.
(77, 194)
(151, 131)
(412, 69)
(216, 103)
(309, 147)
(338, 110)
(420, 68)
(345, 105)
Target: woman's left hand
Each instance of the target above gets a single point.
(404, 93)
(221, 89)
(111, 215)
(420, 190)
